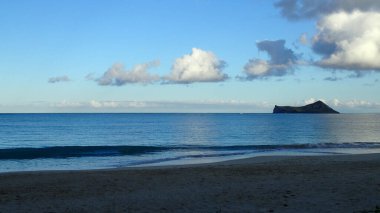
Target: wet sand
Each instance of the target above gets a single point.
(339, 183)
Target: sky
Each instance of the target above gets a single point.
(188, 56)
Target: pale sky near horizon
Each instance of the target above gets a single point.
(188, 56)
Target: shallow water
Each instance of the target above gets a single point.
(87, 141)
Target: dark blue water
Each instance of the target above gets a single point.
(85, 141)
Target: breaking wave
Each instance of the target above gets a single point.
(104, 151)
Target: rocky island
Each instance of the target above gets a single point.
(317, 107)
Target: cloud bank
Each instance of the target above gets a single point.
(136, 106)
(281, 61)
(232, 106)
(198, 66)
(353, 105)
(58, 79)
(117, 75)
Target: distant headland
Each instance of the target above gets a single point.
(317, 107)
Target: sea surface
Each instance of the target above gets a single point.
(93, 141)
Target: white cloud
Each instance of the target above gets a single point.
(301, 9)
(141, 106)
(117, 75)
(58, 79)
(353, 105)
(65, 104)
(310, 101)
(103, 104)
(348, 32)
(313, 100)
(281, 61)
(198, 66)
(356, 103)
(256, 68)
(94, 104)
(349, 41)
(116, 104)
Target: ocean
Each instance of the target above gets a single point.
(30, 142)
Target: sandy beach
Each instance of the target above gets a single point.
(339, 183)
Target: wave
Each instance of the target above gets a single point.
(104, 151)
(76, 151)
(160, 160)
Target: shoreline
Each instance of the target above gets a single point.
(190, 162)
(113, 162)
(327, 183)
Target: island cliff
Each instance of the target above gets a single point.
(317, 107)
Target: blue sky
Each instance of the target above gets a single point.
(134, 56)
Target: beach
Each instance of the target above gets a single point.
(332, 183)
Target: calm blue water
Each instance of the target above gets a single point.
(87, 141)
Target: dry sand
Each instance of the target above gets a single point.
(339, 183)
